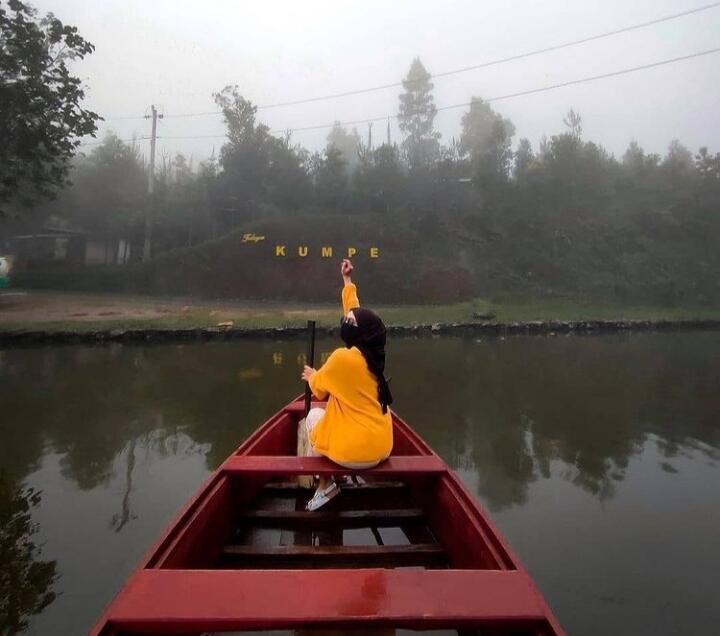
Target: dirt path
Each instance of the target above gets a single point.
(39, 310)
(38, 307)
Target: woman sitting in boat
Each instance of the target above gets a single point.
(355, 430)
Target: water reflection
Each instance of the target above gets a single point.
(119, 520)
(122, 435)
(26, 582)
(509, 408)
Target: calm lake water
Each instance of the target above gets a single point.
(598, 457)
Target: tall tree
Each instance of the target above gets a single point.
(708, 165)
(348, 143)
(245, 157)
(288, 174)
(577, 177)
(180, 204)
(330, 177)
(679, 160)
(638, 167)
(41, 117)
(380, 178)
(708, 200)
(108, 191)
(207, 178)
(679, 177)
(573, 121)
(486, 138)
(257, 168)
(523, 158)
(416, 117)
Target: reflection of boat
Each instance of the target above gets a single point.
(404, 546)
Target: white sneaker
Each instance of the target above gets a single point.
(321, 497)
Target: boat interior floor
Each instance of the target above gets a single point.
(369, 524)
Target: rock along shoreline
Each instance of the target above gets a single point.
(489, 329)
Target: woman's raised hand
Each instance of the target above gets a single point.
(307, 373)
(346, 268)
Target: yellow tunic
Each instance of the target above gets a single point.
(354, 428)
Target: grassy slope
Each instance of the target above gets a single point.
(449, 260)
(410, 268)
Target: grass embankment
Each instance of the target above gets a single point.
(92, 313)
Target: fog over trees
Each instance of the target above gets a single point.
(565, 216)
(566, 195)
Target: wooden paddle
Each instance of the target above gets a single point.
(306, 481)
(310, 362)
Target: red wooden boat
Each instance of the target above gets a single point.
(405, 547)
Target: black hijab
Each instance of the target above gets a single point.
(369, 338)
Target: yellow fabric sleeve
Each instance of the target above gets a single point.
(324, 381)
(349, 297)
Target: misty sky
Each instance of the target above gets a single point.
(177, 54)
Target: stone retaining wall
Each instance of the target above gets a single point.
(15, 338)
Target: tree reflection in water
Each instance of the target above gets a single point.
(509, 410)
(119, 520)
(25, 581)
(513, 410)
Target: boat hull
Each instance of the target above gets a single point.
(243, 555)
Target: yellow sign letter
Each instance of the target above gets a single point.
(374, 252)
(302, 250)
(326, 252)
(351, 252)
(279, 250)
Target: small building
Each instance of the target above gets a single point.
(107, 252)
(53, 245)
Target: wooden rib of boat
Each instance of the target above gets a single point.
(404, 547)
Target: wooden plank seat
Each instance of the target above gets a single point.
(405, 465)
(293, 489)
(292, 519)
(324, 556)
(192, 601)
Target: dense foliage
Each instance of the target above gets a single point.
(41, 117)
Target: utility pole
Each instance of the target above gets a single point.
(389, 143)
(149, 212)
(370, 135)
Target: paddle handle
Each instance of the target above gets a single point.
(310, 362)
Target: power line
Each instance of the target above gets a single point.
(496, 98)
(465, 69)
(101, 141)
(191, 136)
(527, 92)
(504, 60)
(592, 78)
(591, 38)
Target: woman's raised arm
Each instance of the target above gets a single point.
(349, 293)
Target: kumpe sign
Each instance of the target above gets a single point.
(325, 251)
(283, 250)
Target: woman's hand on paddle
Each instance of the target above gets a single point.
(346, 268)
(307, 373)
